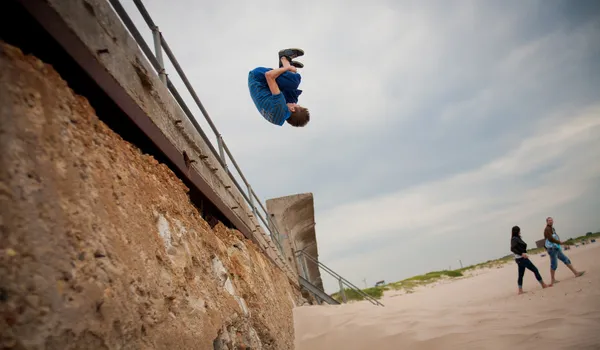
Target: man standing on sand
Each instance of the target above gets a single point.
(553, 246)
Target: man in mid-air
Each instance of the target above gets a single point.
(275, 91)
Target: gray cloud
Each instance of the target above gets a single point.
(415, 108)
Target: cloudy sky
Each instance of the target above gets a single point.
(435, 125)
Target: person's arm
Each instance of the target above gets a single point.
(548, 235)
(272, 75)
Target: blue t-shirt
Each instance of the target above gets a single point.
(288, 83)
(272, 107)
(550, 245)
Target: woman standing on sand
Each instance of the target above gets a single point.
(519, 248)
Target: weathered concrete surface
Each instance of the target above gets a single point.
(295, 217)
(96, 24)
(100, 247)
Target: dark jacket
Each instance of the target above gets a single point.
(517, 245)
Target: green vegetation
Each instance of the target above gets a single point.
(411, 283)
(435, 275)
(351, 294)
(408, 284)
(577, 240)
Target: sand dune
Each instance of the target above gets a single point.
(480, 312)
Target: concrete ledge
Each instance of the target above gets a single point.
(98, 27)
(294, 215)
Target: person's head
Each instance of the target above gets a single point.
(516, 231)
(300, 115)
(549, 221)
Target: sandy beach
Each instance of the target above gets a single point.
(478, 312)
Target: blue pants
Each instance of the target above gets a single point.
(288, 81)
(556, 254)
(523, 264)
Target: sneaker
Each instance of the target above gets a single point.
(291, 53)
(297, 64)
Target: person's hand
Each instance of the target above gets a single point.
(525, 255)
(292, 69)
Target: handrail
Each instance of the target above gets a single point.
(156, 62)
(253, 194)
(341, 279)
(317, 292)
(223, 152)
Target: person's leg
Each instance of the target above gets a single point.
(552, 252)
(531, 266)
(521, 273)
(565, 259)
(290, 54)
(288, 81)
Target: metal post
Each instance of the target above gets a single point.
(270, 226)
(274, 232)
(305, 269)
(299, 267)
(342, 292)
(250, 195)
(297, 263)
(251, 200)
(222, 151)
(281, 240)
(275, 236)
(158, 51)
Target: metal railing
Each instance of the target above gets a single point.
(223, 154)
(302, 255)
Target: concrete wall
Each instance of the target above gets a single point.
(101, 247)
(98, 27)
(295, 218)
(540, 243)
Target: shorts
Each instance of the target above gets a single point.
(556, 254)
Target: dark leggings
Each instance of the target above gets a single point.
(527, 264)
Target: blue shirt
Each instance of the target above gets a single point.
(272, 107)
(288, 83)
(552, 244)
